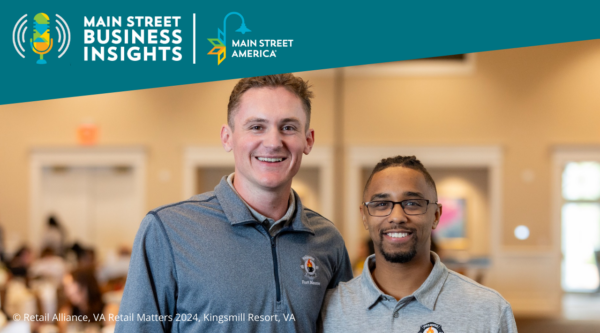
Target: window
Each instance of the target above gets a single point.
(580, 215)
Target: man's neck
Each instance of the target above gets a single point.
(272, 203)
(401, 280)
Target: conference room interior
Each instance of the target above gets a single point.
(511, 137)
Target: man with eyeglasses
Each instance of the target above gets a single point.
(404, 287)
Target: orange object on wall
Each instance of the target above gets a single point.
(87, 134)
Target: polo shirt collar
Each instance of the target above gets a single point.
(234, 208)
(429, 291)
(237, 212)
(427, 294)
(300, 220)
(371, 293)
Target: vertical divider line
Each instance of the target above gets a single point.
(194, 38)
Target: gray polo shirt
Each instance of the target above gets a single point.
(445, 302)
(207, 265)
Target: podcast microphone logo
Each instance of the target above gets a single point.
(42, 43)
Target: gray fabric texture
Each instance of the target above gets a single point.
(209, 256)
(447, 302)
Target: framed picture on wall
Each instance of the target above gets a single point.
(451, 230)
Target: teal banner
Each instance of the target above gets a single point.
(58, 49)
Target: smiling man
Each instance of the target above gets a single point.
(248, 256)
(404, 287)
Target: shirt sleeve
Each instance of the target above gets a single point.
(507, 321)
(151, 287)
(343, 272)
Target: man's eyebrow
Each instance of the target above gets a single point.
(290, 120)
(387, 195)
(255, 120)
(380, 196)
(414, 194)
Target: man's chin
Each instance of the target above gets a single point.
(401, 257)
(273, 183)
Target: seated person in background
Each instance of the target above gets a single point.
(404, 287)
(54, 236)
(83, 297)
(81, 257)
(46, 274)
(18, 299)
(48, 266)
(21, 261)
(86, 259)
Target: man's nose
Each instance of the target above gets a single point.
(273, 139)
(397, 214)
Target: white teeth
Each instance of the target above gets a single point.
(271, 160)
(397, 234)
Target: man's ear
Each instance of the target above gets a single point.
(310, 141)
(364, 218)
(226, 137)
(438, 215)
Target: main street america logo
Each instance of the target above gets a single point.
(220, 43)
(40, 42)
(245, 48)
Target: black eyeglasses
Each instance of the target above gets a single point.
(410, 207)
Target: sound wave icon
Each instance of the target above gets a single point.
(62, 30)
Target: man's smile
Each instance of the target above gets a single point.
(271, 159)
(397, 235)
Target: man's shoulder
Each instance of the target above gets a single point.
(317, 220)
(207, 199)
(315, 217)
(320, 224)
(350, 292)
(464, 288)
(343, 303)
(195, 208)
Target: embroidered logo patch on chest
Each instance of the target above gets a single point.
(431, 328)
(310, 267)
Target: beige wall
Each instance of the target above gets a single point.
(525, 100)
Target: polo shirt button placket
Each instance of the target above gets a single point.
(396, 315)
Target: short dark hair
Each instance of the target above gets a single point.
(410, 162)
(290, 82)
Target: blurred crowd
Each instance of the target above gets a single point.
(61, 289)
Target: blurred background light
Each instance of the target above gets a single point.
(522, 232)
